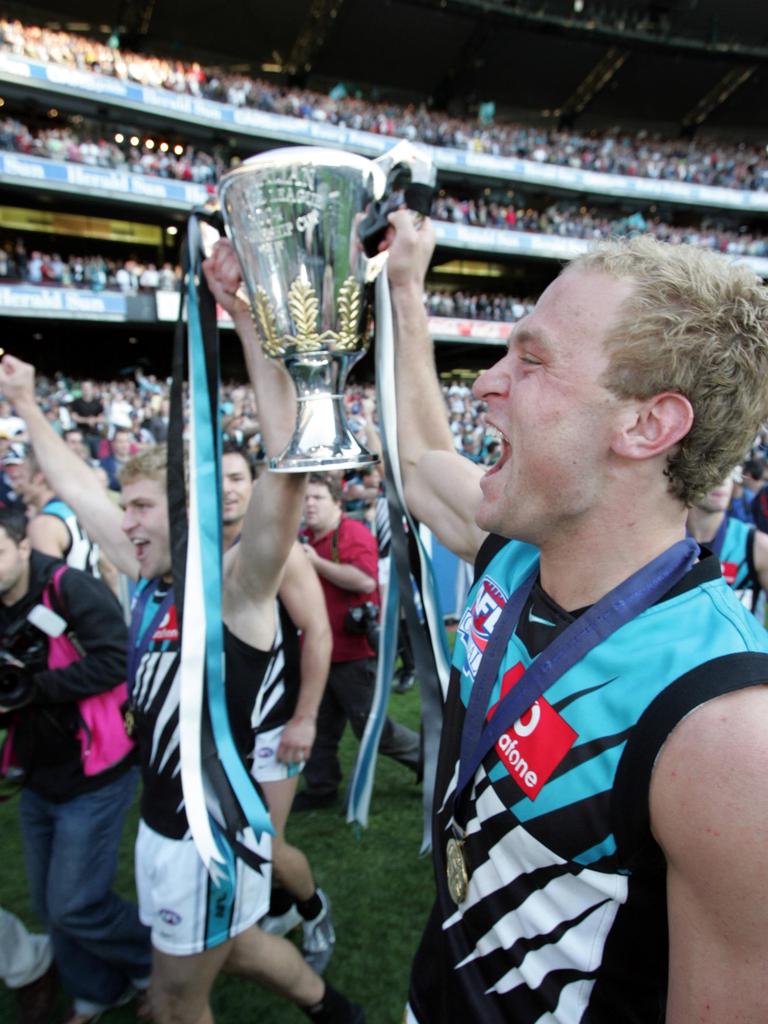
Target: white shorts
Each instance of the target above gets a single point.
(185, 910)
(265, 766)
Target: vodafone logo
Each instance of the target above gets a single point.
(168, 627)
(536, 743)
(478, 622)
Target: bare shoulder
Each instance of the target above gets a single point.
(709, 813)
(48, 534)
(709, 782)
(760, 550)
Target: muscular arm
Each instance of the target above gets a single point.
(303, 598)
(68, 475)
(453, 493)
(252, 570)
(709, 812)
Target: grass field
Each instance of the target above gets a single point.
(380, 888)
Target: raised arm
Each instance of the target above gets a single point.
(442, 488)
(253, 568)
(709, 813)
(303, 598)
(68, 475)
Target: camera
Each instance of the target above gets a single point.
(363, 619)
(23, 651)
(15, 682)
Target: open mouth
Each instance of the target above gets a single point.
(504, 448)
(140, 548)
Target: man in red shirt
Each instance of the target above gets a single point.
(344, 553)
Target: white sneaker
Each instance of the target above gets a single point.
(319, 937)
(281, 924)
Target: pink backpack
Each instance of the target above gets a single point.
(102, 736)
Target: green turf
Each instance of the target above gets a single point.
(380, 888)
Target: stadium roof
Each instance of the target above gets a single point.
(675, 65)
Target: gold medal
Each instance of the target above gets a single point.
(456, 870)
(129, 721)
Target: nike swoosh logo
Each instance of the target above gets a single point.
(535, 618)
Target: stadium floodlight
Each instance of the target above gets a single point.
(134, 140)
(119, 137)
(149, 143)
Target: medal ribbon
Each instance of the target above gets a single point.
(622, 604)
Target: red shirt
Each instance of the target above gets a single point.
(354, 545)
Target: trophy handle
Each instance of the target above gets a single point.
(211, 225)
(411, 176)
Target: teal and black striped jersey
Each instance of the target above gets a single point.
(737, 562)
(82, 553)
(565, 917)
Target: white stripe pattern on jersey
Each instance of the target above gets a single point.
(272, 688)
(577, 906)
(151, 676)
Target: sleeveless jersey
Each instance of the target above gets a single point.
(82, 552)
(565, 917)
(737, 562)
(154, 694)
(276, 697)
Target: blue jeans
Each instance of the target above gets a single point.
(70, 848)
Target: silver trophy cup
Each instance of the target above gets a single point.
(292, 215)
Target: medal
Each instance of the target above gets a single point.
(129, 721)
(456, 870)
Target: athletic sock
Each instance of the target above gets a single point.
(333, 1008)
(311, 908)
(280, 902)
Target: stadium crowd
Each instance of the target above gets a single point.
(565, 219)
(139, 406)
(96, 272)
(569, 220)
(73, 146)
(708, 161)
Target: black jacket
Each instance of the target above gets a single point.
(45, 743)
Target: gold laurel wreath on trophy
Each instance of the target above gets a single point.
(304, 307)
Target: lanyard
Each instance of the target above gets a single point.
(141, 633)
(626, 601)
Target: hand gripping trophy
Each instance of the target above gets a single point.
(305, 223)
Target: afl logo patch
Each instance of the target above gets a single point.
(478, 622)
(265, 752)
(169, 917)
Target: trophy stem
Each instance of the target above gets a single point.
(321, 440)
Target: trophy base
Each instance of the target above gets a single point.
(303, 463)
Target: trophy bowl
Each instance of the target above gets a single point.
(292, 215)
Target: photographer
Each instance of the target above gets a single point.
(345, 555)
(62, 671)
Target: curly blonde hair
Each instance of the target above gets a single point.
(697, 325)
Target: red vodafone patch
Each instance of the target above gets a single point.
(536, 743)
(729, 570)
(168, 628)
